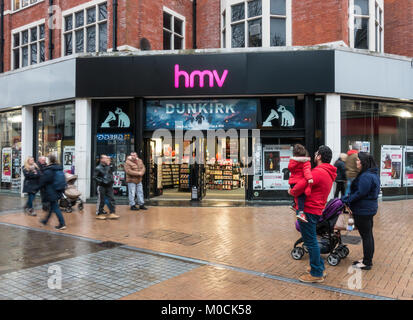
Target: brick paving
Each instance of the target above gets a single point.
(258, 239)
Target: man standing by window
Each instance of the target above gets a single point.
(135, 169)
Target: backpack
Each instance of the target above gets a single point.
(59, 183)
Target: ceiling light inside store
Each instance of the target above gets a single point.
(405, 114)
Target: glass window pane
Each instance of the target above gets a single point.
(41, 31)
(224, 39)
(68, 44)
(103, 12)
(278, 7)
(278, 32)
(16, 57)
(91, 15)
(25, 37)
(25, 56)
(91, 39)
(238, 35)
(224, 19)
(361, 31)
(42, 50)
(167, 22)
(254, 8)
(80, 41)
(167, 40)
(16, 41)
(69, 23)
(103, 37)
(238, 12)
(178, 26)
(33, 34)
(178, 43)
(254, 33)
(80, 19)
(33, 53)
(361, 7)
(376, 33)
(16, 4)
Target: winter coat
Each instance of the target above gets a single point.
(364, 192)
(341, 171)
(31, 180)
(134, 170)
(47, 179)
(104, 175)
(323, 176)
(351, 164)
(300, 168)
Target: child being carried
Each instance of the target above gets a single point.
(300, 168)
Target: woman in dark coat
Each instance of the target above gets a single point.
(341, 180)
(362, 200)
(31, 183)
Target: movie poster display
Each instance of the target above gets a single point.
(391, 166)
(363, 146)
(408, 166)
(275, 166)
(69, 159)
(6, 164)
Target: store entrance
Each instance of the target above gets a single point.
(205, 169)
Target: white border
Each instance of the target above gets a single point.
(181, 17)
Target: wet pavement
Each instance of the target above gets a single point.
(15, 203)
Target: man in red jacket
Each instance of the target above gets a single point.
(324, 175)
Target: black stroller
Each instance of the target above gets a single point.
(329, 237)
(71, 196)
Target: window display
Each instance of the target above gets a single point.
(10, 148)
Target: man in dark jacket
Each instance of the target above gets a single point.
(341, 179)
(51, 195)
(104, 180)
(42, 164)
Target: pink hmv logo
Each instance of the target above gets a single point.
(190, 78)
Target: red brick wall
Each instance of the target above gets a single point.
(208, 24)
(398, 27)
(319, 21)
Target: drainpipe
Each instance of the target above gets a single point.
(194, 24)
(2, 37)
(51, 46)
(115, 25)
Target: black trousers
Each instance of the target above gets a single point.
(340, 187)
(364, 224)
(105, 193)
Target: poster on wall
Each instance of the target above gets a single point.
(69, 159)
(6, 164)
(275, 166)
(363, 146)
(408, 166)
(391, 166)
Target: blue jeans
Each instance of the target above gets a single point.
(349, 181)
(29, 203)
(135, 190)
(308, 232)
(54, 207)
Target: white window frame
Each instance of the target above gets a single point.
(180, 17)
(72, 11)
(27, 28)
(31, 3)
(265, 21)
(372, 25)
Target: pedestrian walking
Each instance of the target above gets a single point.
(42, 163)
(54, 183)
(363, 202)
(135, 169)
(104, 179)
(300, 168)
(351, 166)
(324, 175)
(341, 180)
(31, 183)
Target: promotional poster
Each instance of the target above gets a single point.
(69, 159)
(6, 164)
(201, 114)
(408, 166)
(391, 166)
(275, 164)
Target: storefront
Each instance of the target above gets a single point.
(10, 146)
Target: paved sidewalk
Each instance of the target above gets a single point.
(246, 251)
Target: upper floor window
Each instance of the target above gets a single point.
(256, 23)
(20, 4)
(86, 30)
(366, 18)
(28, 46)
(173, 30)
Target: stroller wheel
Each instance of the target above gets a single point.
(345, 251)
(80, 207)
(297, 253)
(68, 209)
(333, 260)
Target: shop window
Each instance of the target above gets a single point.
(86, 30)
(173, 30)
(10, 148)
(56, 134)
(28, 46)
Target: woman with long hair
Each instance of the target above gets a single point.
(363, 202)
(31, 183)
